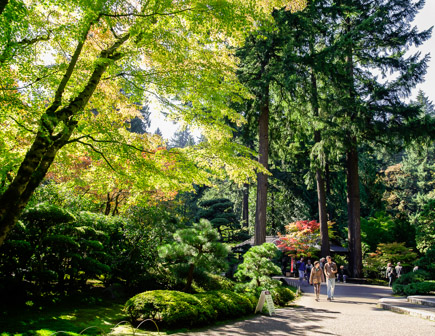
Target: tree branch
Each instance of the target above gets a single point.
(147, 15)
(22, 126)
(27, 42)
(98, 152)
(69, 71)
(82, 99)
(109, 141)
(30, 84)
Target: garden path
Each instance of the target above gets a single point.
(352, 313)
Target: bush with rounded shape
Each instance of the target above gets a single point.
(227, 304)
(282, 295)
(399, 289)
(415, 288)
(417, 276)
(169, 307)
(172, 308)
(402, 286)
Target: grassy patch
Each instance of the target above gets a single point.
(99, 319)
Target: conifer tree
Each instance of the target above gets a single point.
(256, 72)
(182, 138)
(373, 35)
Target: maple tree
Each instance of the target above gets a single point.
(72, 73)
(302, 238)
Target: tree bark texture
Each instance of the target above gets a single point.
(47, 142)
(245, 211)
(189, 278)
(263, 151)
(323, 218)
(353, 207)
(321, 194)
(353, 193)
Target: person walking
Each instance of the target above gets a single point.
(389, 274)
(322, 263)
(398, 270)
(330, 269)
(316, 278)
(301, 270)
(308, 268)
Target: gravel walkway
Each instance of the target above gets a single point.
(352, 313)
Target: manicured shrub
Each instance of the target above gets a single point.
(409, 283)
(173, 308)
(398, 289)
(415, 288)
(205, 282)
(168, 307)
(257, 265)
(227, 304)
(282, 295)
(417, 276)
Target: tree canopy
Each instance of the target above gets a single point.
(72, 73)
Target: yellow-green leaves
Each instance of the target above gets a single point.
(180, 52)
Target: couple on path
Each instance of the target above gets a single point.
(318, 275)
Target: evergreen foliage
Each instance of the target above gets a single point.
(257, 266)
(220, 213)
(182, 138)
(178, 309)
(196, 248)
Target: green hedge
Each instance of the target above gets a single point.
(178, 309)
(417, 276)
(414, 288)
(409, 283)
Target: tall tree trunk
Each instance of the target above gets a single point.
(263, 151)
(30, 174)
(47, 142)
(189, 278)
(321, 195)
(329, 210)
(323, 218)
(245, 205)
(353, 207)
(353, 194)
(108, 204)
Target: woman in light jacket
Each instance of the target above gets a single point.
(316, 278)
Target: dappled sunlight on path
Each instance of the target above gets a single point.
(353, 312)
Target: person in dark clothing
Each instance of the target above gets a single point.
(301, 269)
(342, 274)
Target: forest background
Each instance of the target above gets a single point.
(322, 96)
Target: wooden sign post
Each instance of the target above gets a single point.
(265, 296)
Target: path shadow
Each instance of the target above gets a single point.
(288, 321)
